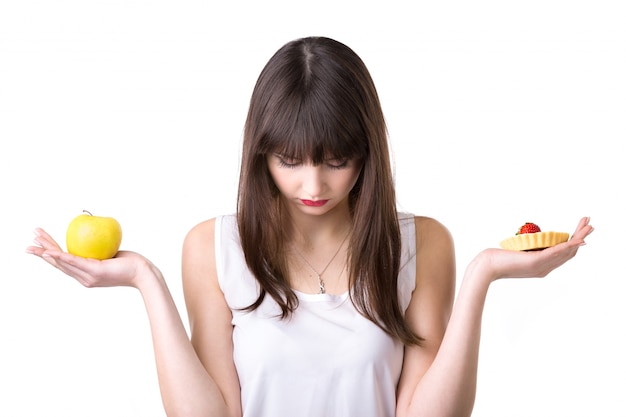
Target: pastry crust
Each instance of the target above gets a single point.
(534, 241)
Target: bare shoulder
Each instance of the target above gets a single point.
(198, 260)
(200, 236)
(435, 259)
(432, 235)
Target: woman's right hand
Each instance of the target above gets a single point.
(125, 269)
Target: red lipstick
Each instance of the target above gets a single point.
(316, 203)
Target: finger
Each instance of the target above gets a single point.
(35, 249)
(49, 258)
(46, 241)
(582, 231)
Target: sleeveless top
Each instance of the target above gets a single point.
(326, 359)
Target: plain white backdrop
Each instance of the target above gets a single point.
(499, 113)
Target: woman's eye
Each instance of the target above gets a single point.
(337, 163)
(287, 162)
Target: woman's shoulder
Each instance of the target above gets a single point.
(209, 239)
(198, 247)
(432, 234)
(200, 239)
(429, 224)
(203, 233)
(425, 226)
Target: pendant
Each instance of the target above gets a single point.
(321, 284)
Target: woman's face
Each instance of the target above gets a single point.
(313, 189)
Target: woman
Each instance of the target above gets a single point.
(316, 298)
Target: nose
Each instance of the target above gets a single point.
(313, 180)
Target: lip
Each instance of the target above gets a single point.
(314, 203)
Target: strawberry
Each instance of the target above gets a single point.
(528, 228)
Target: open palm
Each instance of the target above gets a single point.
(122, 270)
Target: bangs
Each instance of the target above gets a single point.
(313, 127)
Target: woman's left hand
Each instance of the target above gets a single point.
(502, 263)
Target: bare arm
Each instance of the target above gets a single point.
(439, 379)
(187, 389)
(210, 317)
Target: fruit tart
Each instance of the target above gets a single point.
(530, 237)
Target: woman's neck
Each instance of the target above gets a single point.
(317, 251)
(309, 231)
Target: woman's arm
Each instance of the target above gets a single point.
(439, 379)
(187, 389)
(210, 318)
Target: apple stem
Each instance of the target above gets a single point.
(85, 211)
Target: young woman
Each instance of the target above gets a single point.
(317, 298)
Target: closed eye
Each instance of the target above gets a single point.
(285, 162)
(337, 163)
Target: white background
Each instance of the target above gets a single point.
(499, 113)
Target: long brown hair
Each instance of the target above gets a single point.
(314, 99)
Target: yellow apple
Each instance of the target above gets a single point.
(93, 236)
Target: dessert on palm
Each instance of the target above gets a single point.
(530, 237)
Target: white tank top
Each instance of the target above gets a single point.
(326, 360)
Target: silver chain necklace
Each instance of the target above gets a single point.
(320, 281)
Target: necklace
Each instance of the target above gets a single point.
(320, 281)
